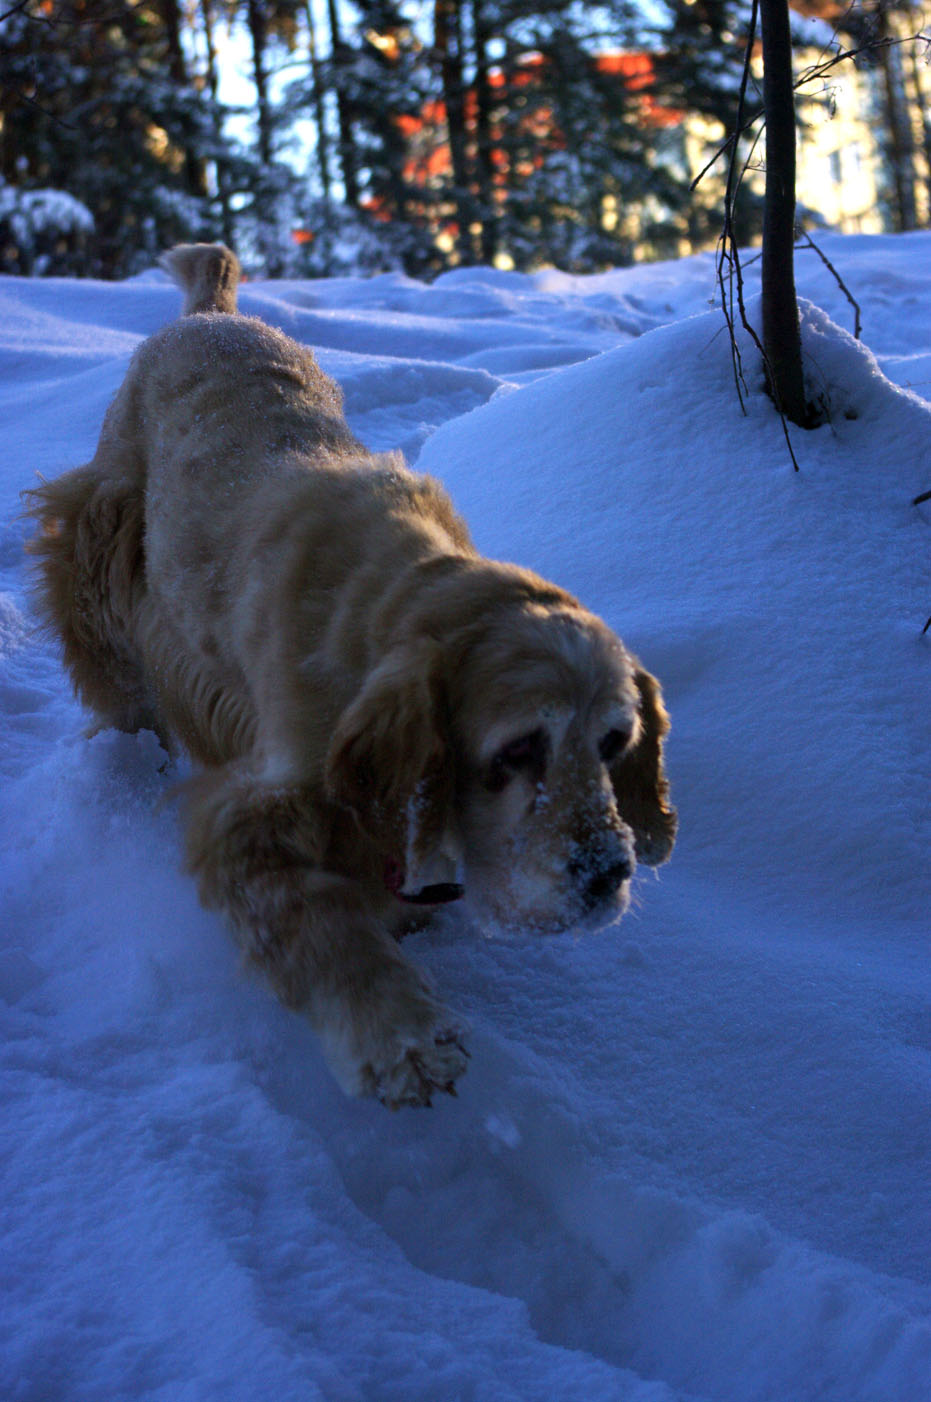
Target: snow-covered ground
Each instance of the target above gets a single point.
(692, 1155)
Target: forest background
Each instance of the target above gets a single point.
(382, 134)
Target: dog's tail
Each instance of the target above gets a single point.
(90, 587)
(207, 273)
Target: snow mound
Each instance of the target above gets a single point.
(688, 1162)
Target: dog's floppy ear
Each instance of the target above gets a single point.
(641, 788)
(388, 761)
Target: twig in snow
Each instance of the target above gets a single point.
(857, 325)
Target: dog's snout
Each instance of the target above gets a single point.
(598, 874)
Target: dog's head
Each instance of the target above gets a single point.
(528, 752)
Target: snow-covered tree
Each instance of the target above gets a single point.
(42, 231)
(94, 103)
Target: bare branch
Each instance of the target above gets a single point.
(728, 255)
(14, 10)
(46, 112)
(857, 325)
(817, 70)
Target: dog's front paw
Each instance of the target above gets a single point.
(412, 1071)
(391, 1039)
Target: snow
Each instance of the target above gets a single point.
(690, 1157)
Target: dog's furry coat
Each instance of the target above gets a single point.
(376, 709)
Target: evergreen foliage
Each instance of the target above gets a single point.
(579, 136)
(455, 131)
(90, 107)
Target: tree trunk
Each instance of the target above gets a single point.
(447, 39)
(213, 85)
(782, 343)
(323, 140)
(483, 105)
(195, 171)
(921, 102)
(347, 146)
(268, 212)
(900, 144)
(258, 31)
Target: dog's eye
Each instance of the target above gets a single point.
(610, 745)
(526, 754)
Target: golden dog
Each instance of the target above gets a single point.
(381, 717)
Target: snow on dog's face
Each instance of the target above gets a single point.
(529, 755)
(547, 710)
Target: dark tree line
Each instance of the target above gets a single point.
(545, 132)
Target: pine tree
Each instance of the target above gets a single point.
(384, 80)
(218, 152)
(91, 107)
(340, 59)
(269, 23)
(449, 44)
(318, 101)
(586, 160)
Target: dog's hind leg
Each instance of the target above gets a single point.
(90, 588)
(259, 854)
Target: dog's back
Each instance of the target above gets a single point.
(226, 475)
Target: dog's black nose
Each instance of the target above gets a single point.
(597, 875)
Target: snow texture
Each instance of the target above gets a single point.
(690, 1158)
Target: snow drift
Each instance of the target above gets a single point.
(690, 1156)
